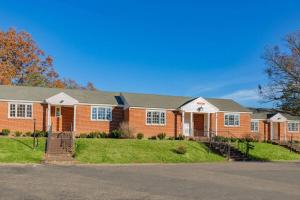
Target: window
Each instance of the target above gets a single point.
(254, 126)
(156, 118)
(57, 111)
(293, 126)
(101, 113)
(232, 119)
(20, 110)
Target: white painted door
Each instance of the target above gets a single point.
(186, 128)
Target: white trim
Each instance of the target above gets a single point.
(16, 110)
(25, 101)
(194, 105)
(253, 131)
(295, 122)
(62, 99)
(155, 110)
(100, 104)
(216, 123)
(100, 120)
(150, 108)
(232, 113)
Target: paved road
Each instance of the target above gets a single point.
(196, 181)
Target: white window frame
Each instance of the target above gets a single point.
(234, 114)
(16, 110)
(293, 122)
(254, 121)
(57, 107)
(156, 124)
(97, 113)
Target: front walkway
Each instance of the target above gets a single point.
(183, 181)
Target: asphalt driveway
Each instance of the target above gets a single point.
(187, 181)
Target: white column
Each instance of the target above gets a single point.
(182, 120)
(216, 123)
(285, 138)
(208, 124)
(271, 128)
(191, 124)
(49, 116)
(74, 120)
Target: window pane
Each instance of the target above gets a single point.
(149, 120)
(101, 113)
(162, 118)
(20, 110)
(231, 120)
(29, 111)
(236, 120)
(226, 120)
(12, 110)
(108, 114)
(94, 113)
(155, 117)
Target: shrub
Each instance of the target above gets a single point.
(152, 137)
(103, 135)
(181, 149)
(18, 133)
(28, 134)
(93, 134)
(140, 136)
(180, 137)
(83, 135)
(127, 131)
(116, 134)
(161, 136)
(40, 134)
(5, 131)
(171, 138)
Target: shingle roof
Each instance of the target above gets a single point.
(174, 102)
(267, 113)
(40, 94)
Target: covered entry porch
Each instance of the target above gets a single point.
(197, 118)
(61, 113)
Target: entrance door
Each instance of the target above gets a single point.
(62, 118)
(276, 131)
(199, 125)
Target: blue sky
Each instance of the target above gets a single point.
(193, 48)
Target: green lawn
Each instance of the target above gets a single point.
(140, 151)
(270, 152)
(19, 150)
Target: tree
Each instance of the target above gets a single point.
(283, 71)
(22, 62)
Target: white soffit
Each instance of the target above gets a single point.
(199, 105)
(62, 99)
(278, 118)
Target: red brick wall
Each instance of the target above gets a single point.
(240, 131)
(137, 121)
(84, 124)
(23, 125)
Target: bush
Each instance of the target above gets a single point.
(171, 138)
(94, 134)
(181, 149)
(18, 133)
(152, 137)
(140, 136)
(5, 131)
(180, 137)
(161, 136)
(103, 135)
(83, 135)
(116, 134)
(28, 134)
(126, 130)
(40, 134)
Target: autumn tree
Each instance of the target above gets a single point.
(22, 62)
(283, 71)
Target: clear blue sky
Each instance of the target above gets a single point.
(194, 48)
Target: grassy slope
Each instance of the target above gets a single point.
(19, 150)
(140, 151)
(270, 152)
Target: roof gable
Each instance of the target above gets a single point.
(199, 105)
(61, 99)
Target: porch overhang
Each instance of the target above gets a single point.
(62, 99)
(199, 105)
(277, 118)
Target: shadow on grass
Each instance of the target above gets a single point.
(23, 143)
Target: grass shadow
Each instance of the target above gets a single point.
(23, 143)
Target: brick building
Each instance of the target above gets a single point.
(83, 111)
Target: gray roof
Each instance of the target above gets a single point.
(174, 102)
(112, 98)
(267, 113)
(40, 94)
